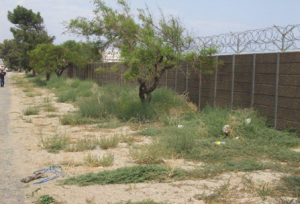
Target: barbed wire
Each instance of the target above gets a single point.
(273, 39)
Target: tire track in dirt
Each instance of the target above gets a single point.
(10, 185)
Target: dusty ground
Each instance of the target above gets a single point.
(29, 156)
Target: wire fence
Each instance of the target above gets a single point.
(273, 39)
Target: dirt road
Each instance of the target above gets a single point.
(10, 186)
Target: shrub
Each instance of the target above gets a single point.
(93, 160)
(54, 143)
(73, 119)
(135, 174)
(31, 110)
(56, 82)
(106, 143)
(80, 145)
(68, 95)
(122, 102)
(149, 154)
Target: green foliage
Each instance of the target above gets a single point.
(54, 143)
(119, 101)
(195, 140)
(135, 174)
(67, 96)
(10, 53)
(53, 58)
(73, 119)
(149, 154)
(94, 160)
(31, 110)
(107, 143)
(57, 82)
(80, 145)
(290, 185)
(45, 199)
(148, 46)
(28, 32)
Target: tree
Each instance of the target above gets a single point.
(28, 32)
(50, 58)
(10, 53)
(148, 47)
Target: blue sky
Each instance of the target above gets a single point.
(205, 17)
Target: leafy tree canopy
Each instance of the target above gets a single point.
(29, 31)
(50, 58)
(148, 46)
(10, 53)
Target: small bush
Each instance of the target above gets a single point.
(47, 99)
(149, 154)
(73, 119)
(45, 199)
(129, 139)
(106, 143)
(135, 174)
(68, 95)
(80, 145)
(93, 160)
(56, 82)
(39, 80)
(31, 110)
(290, 186)
(54, 143)
(49, 107)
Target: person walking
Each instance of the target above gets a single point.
(2, 75)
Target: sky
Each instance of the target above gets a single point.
(204, 17)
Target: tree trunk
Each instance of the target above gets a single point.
(142, 92)
(33, 73)
(47, 76)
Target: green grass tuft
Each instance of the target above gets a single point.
(135, 174)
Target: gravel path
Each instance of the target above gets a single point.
(10, 185)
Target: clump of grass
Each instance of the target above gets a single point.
(67, 96)
(135, 174)
(94, 160)
(31, 110)
(110, 124)
(80, 145)
(290, 186)
(45, 199)
(122, 102)
(55, 143)
(47, 99)
(56, 82)
(107, 143)
(49, 107)
(149, 154)
(39, 81)
(129, 139)
(51, 115)
(73, 119)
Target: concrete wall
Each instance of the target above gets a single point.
(254, 79)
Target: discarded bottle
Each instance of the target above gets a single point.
(219, 143)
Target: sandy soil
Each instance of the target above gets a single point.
(31, 157)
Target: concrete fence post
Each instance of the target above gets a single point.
(276, 90)
(186, 77)
(166, 78)
(176, 74)
(232, 82)
(253, 80)
(215, 83)
(199, 89)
